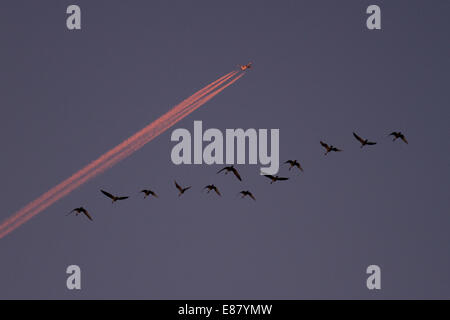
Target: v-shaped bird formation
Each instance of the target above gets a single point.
(231, 169)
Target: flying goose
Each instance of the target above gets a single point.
(231, 169)
(148, 193)
(182, 190)
(247, 193)
(363, 142)
(275, 178)
(114, 198)
(212, 187)
(329, 148)
(81, 210)
(398, 135)
(294, 163)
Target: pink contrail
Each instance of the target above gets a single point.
(117, 154)
(157, 130)
(185, 103)
(201, 94)
(139, 144)
(204, 100)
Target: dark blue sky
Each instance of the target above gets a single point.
(67, 97)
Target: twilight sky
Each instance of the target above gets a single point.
(67, 97)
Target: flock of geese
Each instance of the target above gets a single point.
(233, 170)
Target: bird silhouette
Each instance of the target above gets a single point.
(247, 193)
(81, 210)
(363, 142)
(212, 187)
(294, 163)
(275, 178)
(114, 198)
(182, 190)
(148, 193)
(329, 148)
(231, 169)
(398, 135)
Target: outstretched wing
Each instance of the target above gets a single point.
(122, 198)
(337, 150)
(217, 191)
(404, 139)
(282, 179)
(251, 196)
(178, 186)
(371, 143)
(222, 170)
(187, 188)
(109, 195)
(299, 166)
(269, 176)
(236, 173)
(324, 145)
(154, 194)
(358, 138)
(71, 212)
(87, 214)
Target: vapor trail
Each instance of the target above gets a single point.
(185, 103)
(144, 140)
(117, 154)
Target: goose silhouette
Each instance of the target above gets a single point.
(231, 169)
(329, 148)
(81, 210)
(114, 198)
